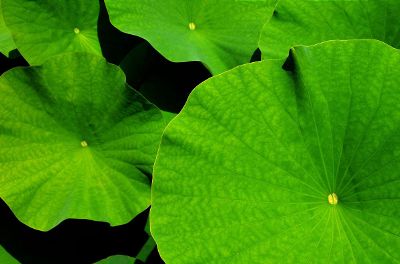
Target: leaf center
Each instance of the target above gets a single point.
(333, 199)
(84, 144)
(192, 26)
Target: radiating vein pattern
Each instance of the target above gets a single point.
(75, 142)
(46, 28)
(221, 34)
(267, 165)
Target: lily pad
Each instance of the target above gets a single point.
(221, 34)
(6, 258)
(267, 165)
(306, 22)
(6, 41)
(50, 27)
(75, 142)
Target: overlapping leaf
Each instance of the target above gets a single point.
(306, 22)
(221, 34)
(6, 41)
(247, 172)
(75, 142)
(42, 29)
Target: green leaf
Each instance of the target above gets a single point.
(309, 22)
(75, 142)
(6, 41)
(6, 258)
(147, 249)
(168, 116)
(249, 171)
(45, 28)
(117, 259)
(221, 34)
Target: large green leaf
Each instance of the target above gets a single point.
(6, 41)
(6, 258)
(309, 22)
(266, 165)
(221, 34)
(75, 142)
(45, 28)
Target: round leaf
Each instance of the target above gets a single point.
(42, 29)
(266, 165)
(221, 34)
(309, 22)
(75, 142)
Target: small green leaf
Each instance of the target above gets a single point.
(45, 28)
(306, 22)
(266, 165)
(75, 142)
(221, 34)
(6, 258)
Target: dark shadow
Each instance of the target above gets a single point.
(15, 59)
(256, 56)
(289, 64)
(115, 45)
(72, 241)
(162, 82)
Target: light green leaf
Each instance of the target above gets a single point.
(6, 41)
(247, 172)
(306, 22)
(221, 34)
(75, 142)
(117, 259)
(45, 28)
(6, 258)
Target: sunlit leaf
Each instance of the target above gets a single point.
(306, 22)
(75, 142)
(45, 28)
(286, 164)
(221, 34)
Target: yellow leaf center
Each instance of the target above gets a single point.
(192, 26)
(333, 199)
(84, 144)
